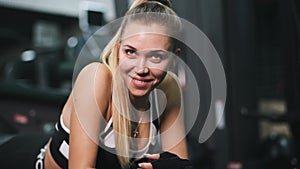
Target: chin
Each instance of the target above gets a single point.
(139, 93)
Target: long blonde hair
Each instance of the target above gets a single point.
(122, 126)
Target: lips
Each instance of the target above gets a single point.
(140, 83)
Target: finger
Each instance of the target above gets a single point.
(145, 165)
(152, 156)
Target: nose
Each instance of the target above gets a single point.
(142, 71)
(141, 66)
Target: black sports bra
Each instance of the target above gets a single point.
(107, 158)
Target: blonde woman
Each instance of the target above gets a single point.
(127, 111)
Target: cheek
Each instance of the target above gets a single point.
(160, 68)
(125, 64)
(158, 74)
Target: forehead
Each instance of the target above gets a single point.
(141, 35)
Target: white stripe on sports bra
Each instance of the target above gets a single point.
(109, 140)
(63, 125)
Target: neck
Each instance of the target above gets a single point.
(140, 103)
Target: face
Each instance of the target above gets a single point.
(143, 57)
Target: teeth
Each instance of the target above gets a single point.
(139, 81)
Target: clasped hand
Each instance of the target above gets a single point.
(163, 161)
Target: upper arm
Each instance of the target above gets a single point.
(90, 98)
(172, 124)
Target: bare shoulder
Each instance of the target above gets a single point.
(90, 91)
(103, 87)
(95, 72)
(170, 86)
(98, 68)
(93, 82)
(103, 78)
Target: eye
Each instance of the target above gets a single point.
(157, 58)
(129, 52)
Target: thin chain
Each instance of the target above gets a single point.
(136, 130)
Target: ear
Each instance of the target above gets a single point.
(177, 52)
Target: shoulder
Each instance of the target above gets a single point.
(97, 69)
(103, 78)
(171, 88)
(170, 84)
(94, 73)
(94, 81)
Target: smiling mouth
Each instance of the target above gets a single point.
(140, 82)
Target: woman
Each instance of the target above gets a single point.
(109, 119)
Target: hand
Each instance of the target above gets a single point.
(151, 157)
(165, 160)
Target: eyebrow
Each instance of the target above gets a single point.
(154, 50)
(131, 47)
(159, 51)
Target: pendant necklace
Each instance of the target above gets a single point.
(136, 130)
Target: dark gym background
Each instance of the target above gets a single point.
(257, 40)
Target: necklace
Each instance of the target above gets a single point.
(136, 130)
